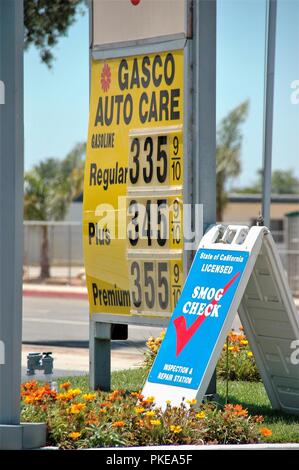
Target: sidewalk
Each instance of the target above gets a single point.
(75, 361)
(45, 290)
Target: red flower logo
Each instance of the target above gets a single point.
(105, 77)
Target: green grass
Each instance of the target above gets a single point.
(251, 395)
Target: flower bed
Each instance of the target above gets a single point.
(79, 420)
(235, 363)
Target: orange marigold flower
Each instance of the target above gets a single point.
(65, 385)
(30, 385)
(136, 395)
(105, 405)
(258, 419)
(266, 432)
(192, 402)
(74, 435)
(118, 424)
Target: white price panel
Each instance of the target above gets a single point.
(155, 219)
(155, 285)
(154, 222)
(156, 158)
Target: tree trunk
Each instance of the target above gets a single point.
(44, 254)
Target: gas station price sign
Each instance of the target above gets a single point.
(135, 153)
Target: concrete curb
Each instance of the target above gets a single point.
(55, 291)
(264, 446)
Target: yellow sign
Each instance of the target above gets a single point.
(132, 209)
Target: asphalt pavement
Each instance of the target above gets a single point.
(61, 325)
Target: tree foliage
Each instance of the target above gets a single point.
(49, 188)
(45, 21)
(228, 152)
(282, 182)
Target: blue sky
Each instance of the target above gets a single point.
(56, 101)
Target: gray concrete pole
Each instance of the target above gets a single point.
(11, 206)
(204, 98)
(268, 109)
(13, 435)
(204, 116)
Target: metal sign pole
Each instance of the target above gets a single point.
(12, 434)
(268, 109)
(204, 130)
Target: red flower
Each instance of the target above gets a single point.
(105, 77)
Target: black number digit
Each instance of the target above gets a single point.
(149, 282)
(146, 225)
(148, 146)
(135, 147)
(136, 297)
(162, 156)
(162, 222)
(176, 170)
(133, 209)
(176, 273)
(163, 299)
(175, 145)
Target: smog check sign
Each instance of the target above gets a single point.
(198, 318)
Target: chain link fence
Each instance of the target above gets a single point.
(66, 252)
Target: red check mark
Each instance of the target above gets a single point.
(184, 334)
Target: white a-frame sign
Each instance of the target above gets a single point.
(236, 269)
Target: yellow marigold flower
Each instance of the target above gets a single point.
(139, 410)
(73, 392)
(118, 424)
(200, 415)
(175, 429)
(249, 354)
(244, 342)
(150, 413)
(168, 402)
(155, 422)
(150, 400)
(74, 435)
(89, 396)
(65, 385)
(192, 402)
(28, 400)
(76, 408)
(266, 432)
(230, 348)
